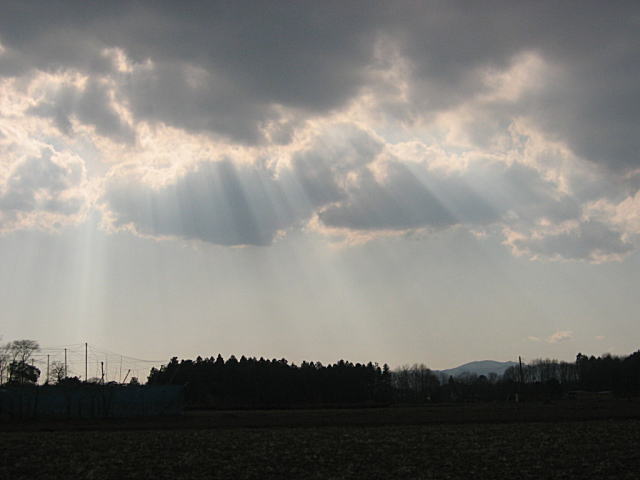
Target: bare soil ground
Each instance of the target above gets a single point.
(560, 411)
(564, 440)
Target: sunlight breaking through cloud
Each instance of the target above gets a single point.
(397, 129)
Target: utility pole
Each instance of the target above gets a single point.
(521, 372)
(48, 369)
(125, 377)
(102, 369)
(86, 356)
(521, 383)
(65, 363)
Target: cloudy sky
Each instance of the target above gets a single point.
(399, 182)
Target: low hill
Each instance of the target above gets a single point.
(482, 367)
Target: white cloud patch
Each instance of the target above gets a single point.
(560, 336)
(45, 191)
(590, 240)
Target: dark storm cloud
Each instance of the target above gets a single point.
(590, 101)
(314, 57)
(211, 104)
(401, 202)
(55, 35)
(254, 72)
(409, 197)
(302, 55)
(90, 106)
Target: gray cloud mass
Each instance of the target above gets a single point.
(590, 240)
(41, 186)
(217, 202)
(315, 56)
(91, 106)
(232, 70)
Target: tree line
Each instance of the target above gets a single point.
(252, 383)
(263, 383)
(619, 375)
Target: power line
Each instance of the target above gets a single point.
(80, 359)
(107, 351)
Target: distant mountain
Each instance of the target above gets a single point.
(482, 367)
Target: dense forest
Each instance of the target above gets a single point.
(251, 382)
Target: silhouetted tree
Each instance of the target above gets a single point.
(20, 369)
(57, 371)
(5, 360)
(22, 373)
(22, 350)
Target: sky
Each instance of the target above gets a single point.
(400, 182)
